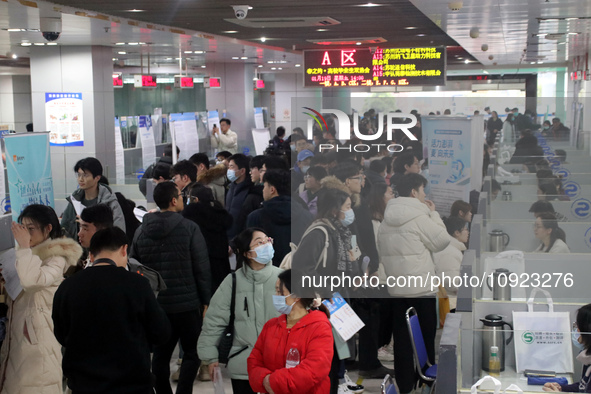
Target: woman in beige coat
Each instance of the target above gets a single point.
(31, 356)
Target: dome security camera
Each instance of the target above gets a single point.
(51, 28)
(455, 5)
(240, 11)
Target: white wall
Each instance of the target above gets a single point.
(15, 102)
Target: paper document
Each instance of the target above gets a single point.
(78, 207)
(8, 265)
(342, 317)
(139, 214)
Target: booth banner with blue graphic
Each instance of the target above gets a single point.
(146, 133)
(28, 164)
(3, 200)
(184, 127)
(63, 119)
(455, 169)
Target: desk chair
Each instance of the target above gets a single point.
(426, 371)
(388, 386)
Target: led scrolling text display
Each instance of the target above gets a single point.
(385, 67)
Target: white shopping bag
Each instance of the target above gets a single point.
(513, 387)
(542, 339)
(474, 389)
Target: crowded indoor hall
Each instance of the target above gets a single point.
(295, 198)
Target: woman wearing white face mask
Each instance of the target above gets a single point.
(255, 283)
(582, 341)
(294, 351)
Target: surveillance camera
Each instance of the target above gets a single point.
(240, 11)
(455, 5)
(51, 28)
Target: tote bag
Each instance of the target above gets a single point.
(542, 339)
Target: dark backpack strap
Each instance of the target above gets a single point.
(233, 302)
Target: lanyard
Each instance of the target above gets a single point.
(101, 261)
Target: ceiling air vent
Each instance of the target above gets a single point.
(349, 41)
(323, 21)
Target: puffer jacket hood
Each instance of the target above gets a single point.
(407, 209)
(278, 209)
(105, 195)
(67, 248)
(332, 182)
(158, 225)
(214, 175)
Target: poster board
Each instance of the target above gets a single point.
(63, 119)
(146, 133)
(259, 122)
(213, 118)
(261, 138)
(185, 132)
(119, 158)
(29, 171)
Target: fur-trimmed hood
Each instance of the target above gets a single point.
(215, 174)
(332, 182)
(63, 247)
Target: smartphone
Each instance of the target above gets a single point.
(537, 373)
(354, 241)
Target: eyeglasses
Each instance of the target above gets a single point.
(83, 175)
(261, 242)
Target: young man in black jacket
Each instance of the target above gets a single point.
(107, 318)
(175, 247)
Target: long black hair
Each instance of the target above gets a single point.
(43, 216)
(241, 245)
(330, 202)
(285, 282)
(377, 205)
(549, 222)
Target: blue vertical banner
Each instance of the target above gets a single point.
(28, 164)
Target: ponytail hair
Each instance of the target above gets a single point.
(549, 222)
(308, 303)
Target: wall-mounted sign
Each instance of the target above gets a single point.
(212, 82)
(117, 81)
(260, 84)
(183, 82)
(385, 67)
(144, 81)
(63, 119)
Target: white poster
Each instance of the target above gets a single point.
(147, 139)
(185, 130)
(261, 139)
(63, 119)
(449, 143)
(213, 119)
(119, 158)
(2, 187)
(259, 123)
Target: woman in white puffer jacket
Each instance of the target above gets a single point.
(448, 262)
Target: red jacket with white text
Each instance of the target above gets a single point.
(312, 336)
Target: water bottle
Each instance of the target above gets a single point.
(494, 363)
(293, 357)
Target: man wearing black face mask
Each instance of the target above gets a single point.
(108, 313)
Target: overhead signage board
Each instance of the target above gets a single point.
(117, 81)
(384, 67)
(212, 82)
(144, 81)
(183, 82)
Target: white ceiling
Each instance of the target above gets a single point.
(510, 28)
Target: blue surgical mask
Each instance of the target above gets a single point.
(305, 169)
(280, 304)
(292, 147)
(231, 175)
(264, 253)
(349, 218)
(575, 338)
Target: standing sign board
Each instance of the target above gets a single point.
(259, 122)
(147, 139)
(119, 158)
(185, 131)
(28, 163)
(63, 119)
(454, 167)
(213, 119)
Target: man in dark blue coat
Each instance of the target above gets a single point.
(240, 188)
(283, 221)
(175, 247)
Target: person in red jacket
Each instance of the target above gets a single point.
(303, 326)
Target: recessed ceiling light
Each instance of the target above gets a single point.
(51, 43)
(532, 63)
(321, 29)
(235, 58)
(230, 31)
(554, 50)
(203, 66)
(13, 30)
(188, 51)
(177, 58)
(135, 10)
(249, 7)
(243, 58)
(115, 59)
(260, 65)
(263, 39)
(421, 35)
(459, 58)
(279, 68)
(370, 5)
(561, 43)
(541, 35)
(540, 62)
(39, 44)
(119, 43)
(198, 52)
(122, 53)
(273, 68)
(466, 61)
(573, 34)
(14, 56)
(572, 19)
(132, 43)
(411, 27)
(142, 43)
(357, 43)
(168, 58)
(298, 65)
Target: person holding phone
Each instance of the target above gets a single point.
(226, 139)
